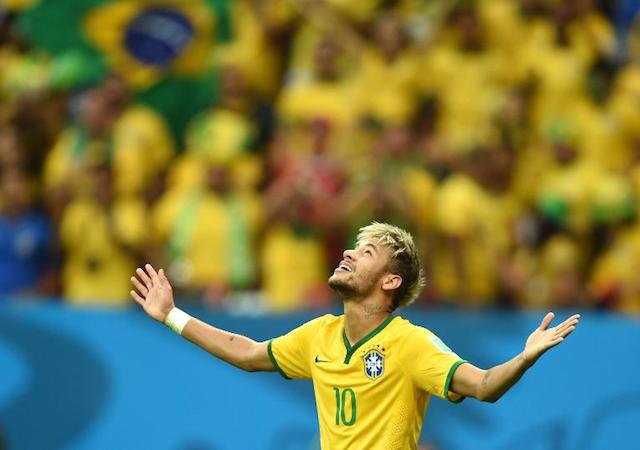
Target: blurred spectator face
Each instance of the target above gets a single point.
(533, 6)
(564, 152)
(499, 167)
(12, 151)
(389, 36)
(516, 108)
(562, 14)
(320, 131)
(233, 88)
(395, 141)
(95, 114)
(477, 165)
(469, 29)
(218, 179)
(232, 81)
(326, 59)
(114, 93)
(584, 6)
(427, 117)
(15, 191)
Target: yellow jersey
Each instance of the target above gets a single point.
(372, 394)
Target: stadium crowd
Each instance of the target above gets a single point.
(505, 134)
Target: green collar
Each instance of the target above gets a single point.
(351, 350)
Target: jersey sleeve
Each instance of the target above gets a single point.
(291, 353)
(431, 364)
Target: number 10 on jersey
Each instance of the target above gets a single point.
(347, 395)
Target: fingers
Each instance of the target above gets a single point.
(555, 342)
(152, 273)
(163, 279)
(546, 321)
(139, 286)
(567, 331)
(571, 322)
(137, 297)
(144, 277)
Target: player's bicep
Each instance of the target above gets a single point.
(466, 380)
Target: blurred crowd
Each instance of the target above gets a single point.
(504, 134)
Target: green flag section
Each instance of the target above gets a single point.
(178, 99)
(143, 40)
(56, 25)
(161, 48)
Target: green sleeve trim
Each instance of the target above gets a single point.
(447, 383)
(274, 362)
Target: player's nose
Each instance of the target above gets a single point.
(348, 254)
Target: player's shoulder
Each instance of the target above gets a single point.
(406, 328)
(416, 336)
(328, 318)
(326, 321)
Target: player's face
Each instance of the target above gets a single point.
(360, 270)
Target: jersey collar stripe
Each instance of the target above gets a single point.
(351, 350)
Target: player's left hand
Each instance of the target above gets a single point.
(544, 338)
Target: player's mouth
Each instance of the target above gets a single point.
(344, 267)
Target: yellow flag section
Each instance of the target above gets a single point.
(144, 39)
(372, 394)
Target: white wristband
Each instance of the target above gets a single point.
(177, 319)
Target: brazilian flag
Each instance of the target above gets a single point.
(160, 47)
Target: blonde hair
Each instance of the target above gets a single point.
(404, 259)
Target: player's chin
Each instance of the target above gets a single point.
(337, 282)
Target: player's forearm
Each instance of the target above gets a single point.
(499, 379)
(240, 351)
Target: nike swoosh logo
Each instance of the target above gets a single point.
(318, 360)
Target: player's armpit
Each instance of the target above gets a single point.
(467, 380)
(259, 360)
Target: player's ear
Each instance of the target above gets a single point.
(391, 281)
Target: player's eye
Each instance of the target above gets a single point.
(368, 252)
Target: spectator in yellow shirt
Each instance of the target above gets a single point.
(257, 27)
(110, 129)
(390, 69)
(474, 219)
(208, 233)
(102, 235)
(224, 134)
(464, 74)
(326, 96)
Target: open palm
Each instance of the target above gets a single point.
(544, 338)
(153, 292)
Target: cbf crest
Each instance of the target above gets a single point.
(373, 364)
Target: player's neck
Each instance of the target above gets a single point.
(362, 317)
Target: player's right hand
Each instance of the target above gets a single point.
(153, 292)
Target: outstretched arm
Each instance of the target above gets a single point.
(490, 385)
(154, 293)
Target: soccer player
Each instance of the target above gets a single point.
(373, 372)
